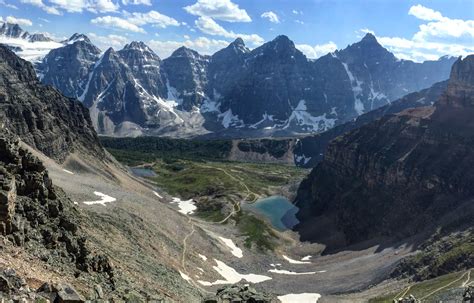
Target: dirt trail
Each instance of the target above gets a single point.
(443, 287)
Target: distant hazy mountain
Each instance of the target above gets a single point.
(273, 90)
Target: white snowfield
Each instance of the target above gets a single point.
(306, 258)
(104, 199)
(293, 273)
(203, 257)
(300, 298)
(237, 252)
(231, 276)
(186, 207)
(185, 276)
(68, 171)
(291, 261)
(31, 51)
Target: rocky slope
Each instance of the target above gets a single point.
(39, 217)
(271, 90)
(401, 175)
(40, 115)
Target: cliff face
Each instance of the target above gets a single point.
(40, 115)
(396, 176)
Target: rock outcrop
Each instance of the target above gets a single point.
(239, 293)
(33, 211)
(40, 115)
(398, 176)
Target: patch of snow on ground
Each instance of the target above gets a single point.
(292, 273)
(68, 171)
(157, 194)
(300, 298)
(291, 261)
(185, 276)
(186, 207)
(237, 252)
(306, 258)
(104, 199)
(231, 276)
(203, 257)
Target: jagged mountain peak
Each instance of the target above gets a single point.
(460, 91)
(239, 46)
(13, 30)
(76, 37)
(463, 71)
(183, 51)
(369, 37)
(137, 45)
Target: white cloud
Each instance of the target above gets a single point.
(297, 12)
(2, 2)
(133, 21)
(271, 16)
(44, 20)
(209, 26)
(19, 21)
(437, 37)
(136, 2)
(299, 21)
(424, 13)
(104, 42)
(116, 22)
(224, 10)
(39, 3)
(152, 17)
(202, 45)
(77, 6)
(313, 52)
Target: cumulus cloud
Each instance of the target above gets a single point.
(314, 52)
(271, 16)
(133, 21)
(437, 37)
(39, 3)
(19, 21)
(136, 2)
(152, 17)
(202, 45)
(118, 23)
(424, 13)
(209, 26)
(224, 10)
(104, 42)
(78, 6)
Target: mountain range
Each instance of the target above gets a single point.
(272, 90)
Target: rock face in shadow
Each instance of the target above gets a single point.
(40, 115)
(36, 215)
(397, 176)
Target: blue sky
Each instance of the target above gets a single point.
(417, 30)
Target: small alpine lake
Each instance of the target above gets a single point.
(278, 210)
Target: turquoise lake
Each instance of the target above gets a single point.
(280, 212)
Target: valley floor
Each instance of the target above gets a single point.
(169, 219)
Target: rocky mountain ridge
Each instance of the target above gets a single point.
(273, 90)
(40, 115)
(398, 176)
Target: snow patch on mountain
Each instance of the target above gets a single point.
(356, 89)
(308, 122)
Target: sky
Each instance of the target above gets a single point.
(417, 30)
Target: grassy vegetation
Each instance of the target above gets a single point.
(422, 289)
(256, 232)
(197, 170)
(131, 149)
